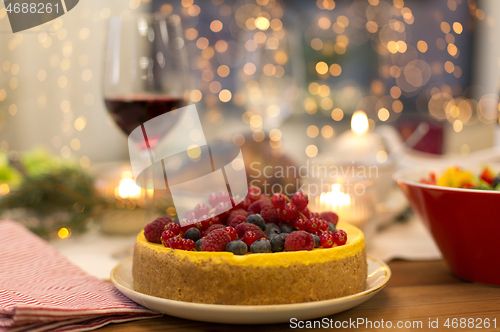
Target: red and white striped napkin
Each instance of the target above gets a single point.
(40, 290)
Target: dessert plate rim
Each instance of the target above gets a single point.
(378, 276)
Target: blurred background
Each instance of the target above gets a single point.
(281, 79)
(260, 68)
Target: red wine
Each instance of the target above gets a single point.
(129, 112)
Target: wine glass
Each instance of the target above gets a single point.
(145, 73)
(145, 76)
(273, 73)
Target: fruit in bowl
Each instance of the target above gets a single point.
(460, 214)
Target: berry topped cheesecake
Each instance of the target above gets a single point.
(263, 251)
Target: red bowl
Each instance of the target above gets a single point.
(465, 223)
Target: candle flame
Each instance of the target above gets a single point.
(359, 122)
(128, 189)
(335, 199)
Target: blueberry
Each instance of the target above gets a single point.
(285, 228)
(260, 246)
(278, 243)
(256, 219)
(316, 241)
(284, 234)
(272, 235)
(198, 244)
(193, 234)
(332, 227)
(271, 229)
(237, 247)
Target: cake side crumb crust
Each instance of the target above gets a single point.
(173, 277)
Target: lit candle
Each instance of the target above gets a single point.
(349, 207)
(357, 144)
(127, 187)
(334, 200)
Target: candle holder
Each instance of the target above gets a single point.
(128, 210)
(351, 199)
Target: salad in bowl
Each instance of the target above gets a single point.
(460, 206)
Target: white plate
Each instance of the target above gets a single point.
(378, 276)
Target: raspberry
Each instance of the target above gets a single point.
(213, 199)
(164, 219)
(206, 222)
(189, 215)
(326, 239)
(217, 240)
(300, 224)
(232, 232)
(188, 244)
(222, 211)
(253, 194)
(244, 227)
(236, 217)
(270, 214)
(299, 240)
(201, 209)
(266, 209)
(238, 211)
(166, 235)
(300, 200)
(249, 238)
(223, 197)
(340, 237)
(175, 228)
(213, 227)
(244, 204)
(313, 225)
(153, 230)
(330, 217)
(256, 206)
(174, 243)
(264, 197)
(279, 200)
(222, 208)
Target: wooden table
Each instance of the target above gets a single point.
(417, 292)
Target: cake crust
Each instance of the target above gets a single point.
(291, 277)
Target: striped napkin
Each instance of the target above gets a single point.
(40, 290)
